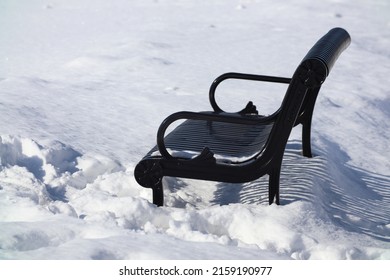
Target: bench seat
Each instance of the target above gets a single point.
(189, 139)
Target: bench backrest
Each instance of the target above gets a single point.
(304, 86)
(326, 50)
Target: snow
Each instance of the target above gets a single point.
(84, 86)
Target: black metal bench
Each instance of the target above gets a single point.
(241, 147)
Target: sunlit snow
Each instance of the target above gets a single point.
(84, 86)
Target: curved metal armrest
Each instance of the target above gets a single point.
(206, 116)
(241, 76)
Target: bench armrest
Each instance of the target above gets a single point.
(207, 116)
(241, 76)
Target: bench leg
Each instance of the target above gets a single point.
(148, 174)
(158, 194)
(306, 122)
(273, 186)
(306, 145)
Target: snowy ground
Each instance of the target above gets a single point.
(84, 86)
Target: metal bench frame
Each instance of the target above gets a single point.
(296, 108)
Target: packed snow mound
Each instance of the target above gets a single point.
(43, 175)
(43, 163)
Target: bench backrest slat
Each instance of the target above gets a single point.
(329, 47)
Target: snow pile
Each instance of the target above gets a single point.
(86, 84)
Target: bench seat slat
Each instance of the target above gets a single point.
(225, 140)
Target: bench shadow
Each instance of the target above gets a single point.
(354, 198)
(295, 182)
